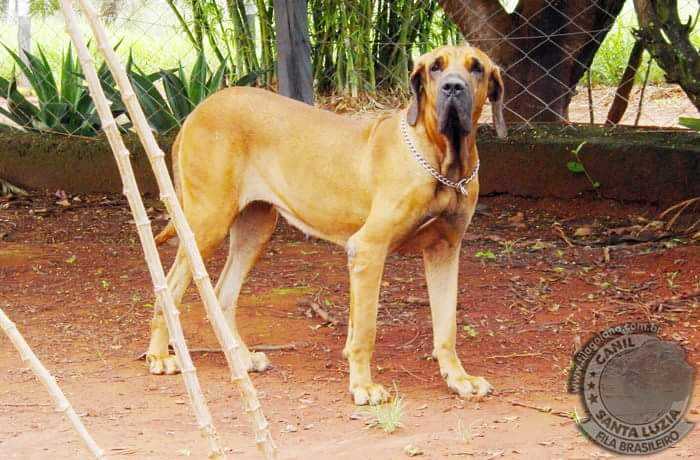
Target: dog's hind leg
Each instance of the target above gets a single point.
(160, 361)
(209, 224)
(250, 231)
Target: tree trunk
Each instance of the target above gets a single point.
(622, 95)
(293, 50)
(544, 47)
(668, 40)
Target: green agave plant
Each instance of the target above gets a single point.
(61, 108)
(167, 110)
(182, 94)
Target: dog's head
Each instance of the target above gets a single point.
(450, 86)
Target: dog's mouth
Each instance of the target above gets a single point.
(454, 120)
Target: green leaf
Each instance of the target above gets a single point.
(71, 87)
(216, 81)
(177, 95)
(53, 115)
(33, 72)
(45, 72)
(691, 123)
(250, 79)
(20, 109)
(198, 80)
(485, 255)
(156, 109)
(575, 167)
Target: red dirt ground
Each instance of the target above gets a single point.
(74, 281)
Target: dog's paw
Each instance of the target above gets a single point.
(159, 365)
(372, 394)
(258, 362)
(469, 387)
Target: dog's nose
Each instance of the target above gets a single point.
(453, 87)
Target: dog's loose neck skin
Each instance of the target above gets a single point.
(455, 163)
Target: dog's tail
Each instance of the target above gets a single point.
(169, 232)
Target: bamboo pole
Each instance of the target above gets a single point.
(143, 227)
(62, 403)
(231, 348)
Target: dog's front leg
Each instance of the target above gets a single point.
(366, 264)
(441, 271)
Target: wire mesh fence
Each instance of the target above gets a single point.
(563, 61)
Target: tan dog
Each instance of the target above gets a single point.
(245, 155)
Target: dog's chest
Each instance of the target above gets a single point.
(447, 201)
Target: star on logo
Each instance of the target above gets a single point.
(591, 386)
(593, 374)
(593, 398)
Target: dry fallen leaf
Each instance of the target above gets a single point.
(583, 231)
(412, 451)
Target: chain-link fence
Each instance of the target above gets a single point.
(565, 61)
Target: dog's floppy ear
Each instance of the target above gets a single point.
(496, 96)
(416, 87)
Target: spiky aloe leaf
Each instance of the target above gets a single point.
(51, 117)
(45, 74)
(216, 81)
(176, 93)
(72, 88)
(154, 106)
(198, 80)
(20, 110)
(37, 75)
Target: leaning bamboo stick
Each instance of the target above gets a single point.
(143, 227)
(231, 348)
(62, 403)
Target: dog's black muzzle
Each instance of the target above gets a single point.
(454, 108)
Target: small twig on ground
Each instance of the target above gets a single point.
(262, 347)
(544, 410)
(560, 231)
(514, 355)
(676, 298)
(681, 207)
(405, 345)
(320, 312)
(25, 405)
(403, 368)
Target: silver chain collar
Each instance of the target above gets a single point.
(461, 185)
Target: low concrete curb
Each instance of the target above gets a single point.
(631, 165)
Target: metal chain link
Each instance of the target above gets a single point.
(461, 185)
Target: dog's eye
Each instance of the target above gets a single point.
(476, 67)
(437, 66)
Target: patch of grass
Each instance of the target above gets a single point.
(285, 291)
(486, 255)
(507, 247)
(470, 330)
(387, 417)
